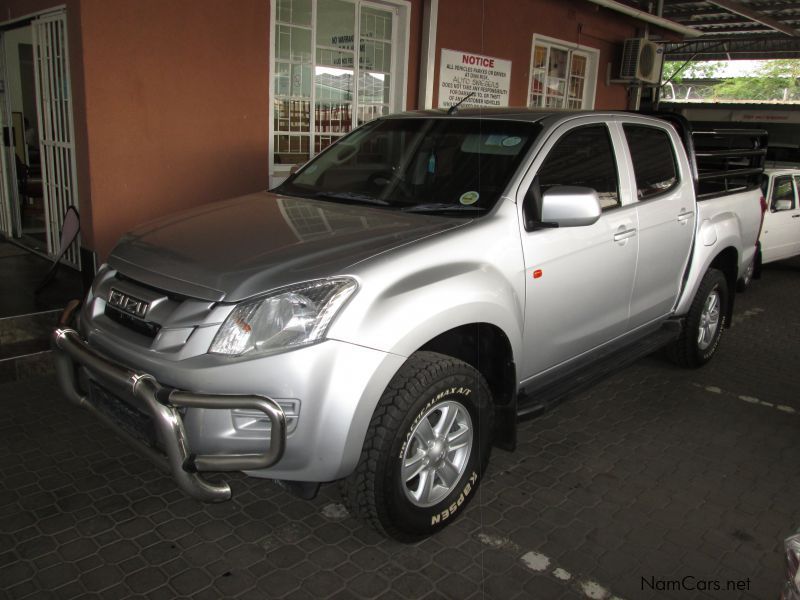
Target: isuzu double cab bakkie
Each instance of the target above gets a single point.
(384, 316)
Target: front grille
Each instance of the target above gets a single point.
(171, 295)
(132, 420)
(145, 328)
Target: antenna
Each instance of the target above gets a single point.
(454, 109)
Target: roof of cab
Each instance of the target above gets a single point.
(531, 115)
(774, 171)
(508, 113)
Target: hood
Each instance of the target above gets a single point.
(239, 248)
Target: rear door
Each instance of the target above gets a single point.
(666, 213)
(578, 280)
(780, 234)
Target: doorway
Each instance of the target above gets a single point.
(38, 154)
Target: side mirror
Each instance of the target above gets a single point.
(779, 205)
(570, 206)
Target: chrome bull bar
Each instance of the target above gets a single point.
(162, 404)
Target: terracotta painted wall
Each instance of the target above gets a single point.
(171, 104)
(415, 39)
(504, 29)
(176, 106)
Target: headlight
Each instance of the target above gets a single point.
(291, 317)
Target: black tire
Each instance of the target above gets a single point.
(427, 385)
(689, 350)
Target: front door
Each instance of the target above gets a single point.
(56, 131)
(781, 230)
(38, 170)
(9, 203)
(578, 280)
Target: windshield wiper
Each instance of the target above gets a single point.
(351, 196)
(443, 207)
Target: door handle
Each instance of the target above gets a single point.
(683, 216)
(796, 216)
(624, 234)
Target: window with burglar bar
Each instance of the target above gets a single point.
(334, 69)
(561, 76)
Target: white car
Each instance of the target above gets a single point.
(780, 233)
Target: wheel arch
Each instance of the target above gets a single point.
(758, 262)
(727, 262)
(486, 347)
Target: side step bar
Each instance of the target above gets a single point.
(534, 399)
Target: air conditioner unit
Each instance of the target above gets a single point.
(641, 61)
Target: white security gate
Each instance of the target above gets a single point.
(56, 129)
(7, 195)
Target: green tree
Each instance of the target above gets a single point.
(677, 71)
(773, 80)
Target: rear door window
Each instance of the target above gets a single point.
(783, 189)
(654, 162)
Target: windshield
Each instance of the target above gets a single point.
(445, 165)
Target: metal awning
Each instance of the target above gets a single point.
(735, 29)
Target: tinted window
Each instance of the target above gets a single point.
(583, 157)
(783, 154)
(653, 158)
(454, 165)
(783, 190)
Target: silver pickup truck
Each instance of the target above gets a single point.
(384, 316)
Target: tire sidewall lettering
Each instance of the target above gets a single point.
(452, 391)
(709, 352)
(706, 354)
(448, 512)
(475, 399)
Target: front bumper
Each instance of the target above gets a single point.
(164, 406)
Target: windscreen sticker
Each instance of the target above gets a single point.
(494, 140)
(511, 141)
(469, 198)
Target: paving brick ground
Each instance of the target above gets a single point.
(655, 473)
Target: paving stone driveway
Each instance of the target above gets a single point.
(654, 475)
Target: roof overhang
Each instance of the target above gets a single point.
(648, 17)
(735, 29)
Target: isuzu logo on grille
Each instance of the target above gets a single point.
(129, 304)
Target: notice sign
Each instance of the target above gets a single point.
(462, 73)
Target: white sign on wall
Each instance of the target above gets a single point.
(462, 73)
(765, 116)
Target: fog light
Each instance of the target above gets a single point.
(255, 420)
